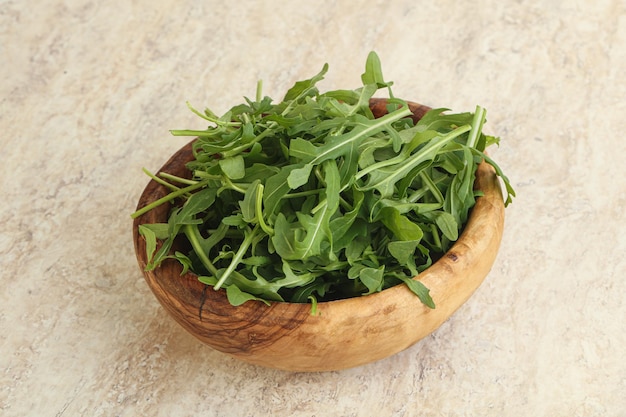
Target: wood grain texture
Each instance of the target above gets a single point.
(345, 333)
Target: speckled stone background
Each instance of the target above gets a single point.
(89, 90)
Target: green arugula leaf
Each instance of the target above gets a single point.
(372, 278)
(233, 167)
(315, 230)
(403, 250)
(373, 72)
(306, 87)
(184, 261)
(420, 290)
(158, 229)
(340, 225)
(248, 204)
(447, 224)
(197, 203)
(277, 187)
(299, 176)
(283, 240)
(236, 297)
(151, 239)
(399, 225)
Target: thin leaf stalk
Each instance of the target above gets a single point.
(194, 239)
(171, 196)
(243, 248)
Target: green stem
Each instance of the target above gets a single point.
(381, 164)
(259, 90)
(205, 176)
(418, 194)
(321, 205)
(477, 126)
(230, 185)
(192, 234)
(259, 211)
(161, 181)
(243, 248)
(271, 126)
(435, 233)
(167, 198)
(303, 193)
(215, 120)
(177, 179)
(432, 187)
(346, 206)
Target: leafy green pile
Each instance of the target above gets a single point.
(315, 199)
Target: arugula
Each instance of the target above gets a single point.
(315, 199)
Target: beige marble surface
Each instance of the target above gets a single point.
(88, 91)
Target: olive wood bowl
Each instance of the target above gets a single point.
(345, 333)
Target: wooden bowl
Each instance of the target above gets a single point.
(346, 333)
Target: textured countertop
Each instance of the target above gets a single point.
(88, 92)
